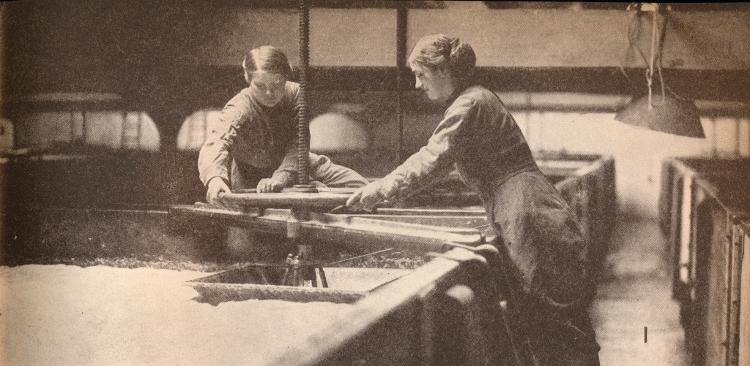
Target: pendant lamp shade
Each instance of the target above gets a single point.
(665, 114)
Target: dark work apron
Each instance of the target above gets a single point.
(547, 280)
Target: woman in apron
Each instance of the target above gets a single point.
(546, 269)
(254, 146)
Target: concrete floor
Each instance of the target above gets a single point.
(636, 293)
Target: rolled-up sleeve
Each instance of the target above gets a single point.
(436, 158)
(214, 159)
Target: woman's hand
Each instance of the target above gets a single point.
(268, 185)
(365, 198)
(215, 186)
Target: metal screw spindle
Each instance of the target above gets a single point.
(302, 125)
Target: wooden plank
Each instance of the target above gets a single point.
(687, 220)
(715, 318)
(215, 293)
(675, 211)
(744, 312)
(320, 200)
(735, 292)
(561, 37)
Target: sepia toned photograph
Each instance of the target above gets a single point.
(382, 182)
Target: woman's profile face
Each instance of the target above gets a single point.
(267, 88)
(437, 84)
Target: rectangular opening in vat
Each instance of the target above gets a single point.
(267, 282)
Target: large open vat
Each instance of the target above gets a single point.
(447, 310)
(704, 206)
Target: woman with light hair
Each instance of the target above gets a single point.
(547, 272)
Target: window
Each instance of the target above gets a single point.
(6, 134)
(196, 128)
(60, 120)
(115, 129)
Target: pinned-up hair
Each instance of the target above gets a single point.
(440, 52)
(268, 59)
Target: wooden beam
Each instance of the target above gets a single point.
(562, 38)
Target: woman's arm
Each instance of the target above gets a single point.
(214, 159)
(284, 176)
(430, 163)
